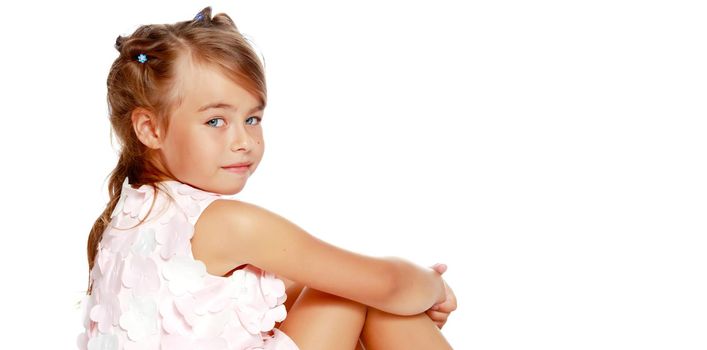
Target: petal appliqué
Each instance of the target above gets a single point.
(277, 314)
(103, 342)
(235, 334)
(140, 319)
(250, 317)
(211, 325)
(273, 289)
(173, 321)
(259, 300)
(142, 275)
(145, 242)
(136, 199)
(111, 267)
(193, 192)
(119, 241)
(184, 274)
(107, 313)
(82, 341)
(174, 237)
(121, 202)
(177, 342)
(86, 305)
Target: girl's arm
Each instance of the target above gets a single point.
(233, 232)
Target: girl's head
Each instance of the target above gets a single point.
(193, 107)
(185, 102)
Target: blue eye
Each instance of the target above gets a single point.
(212, 124)
(258, 118)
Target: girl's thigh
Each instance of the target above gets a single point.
(319, 320)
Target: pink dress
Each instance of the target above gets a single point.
(150, 293)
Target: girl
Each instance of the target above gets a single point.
(175, 264)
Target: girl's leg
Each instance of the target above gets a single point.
(319, 320)
(387, 331)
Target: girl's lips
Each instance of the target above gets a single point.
(238, 164)
(237, 169)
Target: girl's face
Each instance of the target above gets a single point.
(217, 125)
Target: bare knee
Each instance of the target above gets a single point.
(384, 330)
(318, 299)
(374, 314)
(319, 320)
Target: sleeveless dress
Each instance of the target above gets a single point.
(149, 292)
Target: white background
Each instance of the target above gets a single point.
(552, 153)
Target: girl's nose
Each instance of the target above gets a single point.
(240, 143)
(242, 140)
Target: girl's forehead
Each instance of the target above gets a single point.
(202, 84)
(195, 80)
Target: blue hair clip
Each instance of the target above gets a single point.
(199, 16)
(142, 58)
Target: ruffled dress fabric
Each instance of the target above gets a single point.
(150, 293)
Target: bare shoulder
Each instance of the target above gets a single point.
(209, 235)
(232, 232)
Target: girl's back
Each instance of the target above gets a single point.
(149, 292)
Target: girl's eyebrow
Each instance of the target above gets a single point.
(228, 106)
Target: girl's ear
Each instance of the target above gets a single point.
(147, 128)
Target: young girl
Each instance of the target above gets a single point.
(175, 264)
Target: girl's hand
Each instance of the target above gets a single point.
(440, 312)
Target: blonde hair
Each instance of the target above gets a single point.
(152, 85)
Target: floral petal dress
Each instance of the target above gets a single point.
(150, 293)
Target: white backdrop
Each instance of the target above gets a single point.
(552, 153)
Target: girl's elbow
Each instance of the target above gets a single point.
(395, 291)
(409, 291)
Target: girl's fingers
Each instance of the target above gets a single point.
(445, 307)
(437, 316)
(440, 268)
